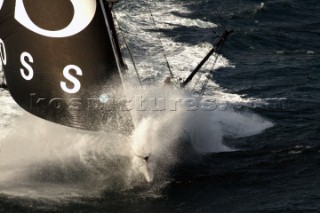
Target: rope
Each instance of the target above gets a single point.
(218, 16)
(164, 53)
(207, 80)
(129, 51)
(198, 80)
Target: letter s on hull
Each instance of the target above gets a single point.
(84, 11)
(30, 74)
(67, 75)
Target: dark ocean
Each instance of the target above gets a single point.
(275, 56)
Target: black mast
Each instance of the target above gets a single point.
(215, 48)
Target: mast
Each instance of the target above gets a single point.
(214, 49)
(61, 62)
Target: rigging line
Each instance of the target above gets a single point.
(218, 16)
(214, 49)
(213, 65)
(198, 80)
(164, 51)
(129, 51)
(195, 84)
(207, 80)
